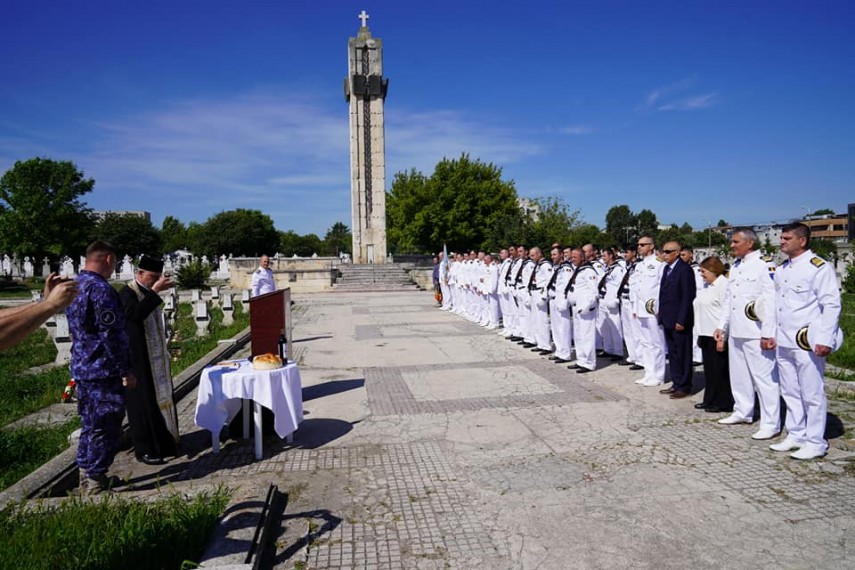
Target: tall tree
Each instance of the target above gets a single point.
(459, 204)
(648, 224)
(173, 233)
(338, 240)
(291, 243)
(553, 223)
(41, 212)
(129, 234)
(622, 224)
(237, 232)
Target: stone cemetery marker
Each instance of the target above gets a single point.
(203, 320)
(62, 339)
(45, 267)
(67, 268)
(228, 309)
(195, 295)
(28, 268)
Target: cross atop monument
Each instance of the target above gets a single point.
(364, 17)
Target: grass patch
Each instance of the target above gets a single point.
(845, 356)
(23, 394)
(19, 290)
(110, 533)
(186, 348)
(24, 449)
(35, 350)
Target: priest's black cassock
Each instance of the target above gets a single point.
(151, 409)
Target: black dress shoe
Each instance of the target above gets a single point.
(636, 367)
(151, 459)
(515, 338)
(701, 406)
(527, 345)
(553, 357)
(582, 370)
(679, 395)
(559, 361)
(625, 363)
(614, 357)
(667, 391)
(573, 367)
(713, 410)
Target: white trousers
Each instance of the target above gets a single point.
(753, 369)
(492, 309)
(611, 330)
(524, 313)
(540, 322)
(631, 331)
(652, 341)
(585, 337)
(561, 327)
(446, 295)
(802, 375)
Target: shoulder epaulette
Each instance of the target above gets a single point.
(817, 261)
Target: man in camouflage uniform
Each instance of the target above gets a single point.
(100, 360)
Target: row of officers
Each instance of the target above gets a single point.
(758, 330)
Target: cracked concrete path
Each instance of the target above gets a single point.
(430, 442)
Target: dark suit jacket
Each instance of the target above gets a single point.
(676, 294)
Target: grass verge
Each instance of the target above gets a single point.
(25, 449)
(845, 356)
(111, 532)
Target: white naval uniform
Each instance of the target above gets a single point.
(491, 295)
(540, 305)
(502, 291)
(583, 298)
(515, 270)
(629, 324)
(644, 293)
(806, 294)
(700, 283)
(559, 311)
(600, 267)
(524, 298)
(608, 316)
(750, 367)
(262, 282)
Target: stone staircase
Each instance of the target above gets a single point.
(375, 277)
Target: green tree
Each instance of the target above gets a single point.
(849, 280)
(459, 204)
(622, 224)
(823, 212)
(337, 240)
(648, 224)
(129, 234)
(585, 233)
(173, 234)
(510, 228)
(40, 209)
(672, 233)
(554, 222)
(291, 243)
(723, 223)
(238, 232)
(825, 248)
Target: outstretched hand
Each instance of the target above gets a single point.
(59, 292)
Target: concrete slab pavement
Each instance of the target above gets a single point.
(430, 442)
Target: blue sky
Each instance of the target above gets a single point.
(698, 110)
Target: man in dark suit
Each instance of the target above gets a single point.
(676, 293)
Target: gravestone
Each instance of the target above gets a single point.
(215, 296)
(16, 267)
(29, 270)
(244, 299)
(67, 268)
(37, 295)
(168, 267)
(195, 295)
(7, 265)
(203, 318)
(45, 267)
(127, 270)
(62, 339)
(228, 309)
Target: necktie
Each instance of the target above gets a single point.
(665, 274)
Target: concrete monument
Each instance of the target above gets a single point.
(365, 91)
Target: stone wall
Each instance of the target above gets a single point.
(301, 274)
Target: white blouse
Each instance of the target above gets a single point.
(708, 306)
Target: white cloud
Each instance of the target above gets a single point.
(576, 130)
(678, 96)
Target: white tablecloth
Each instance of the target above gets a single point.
(221, 390)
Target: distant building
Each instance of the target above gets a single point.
(529, 207)
(101, 214)
(834, 227)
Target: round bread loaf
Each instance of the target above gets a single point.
(268, 361)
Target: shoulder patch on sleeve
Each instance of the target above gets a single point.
(817, 261)
(107, 318)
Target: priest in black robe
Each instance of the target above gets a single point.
(151, 409)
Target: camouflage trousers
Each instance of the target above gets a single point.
(101, 405)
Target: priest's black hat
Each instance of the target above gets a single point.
(152, 264)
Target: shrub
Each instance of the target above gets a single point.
(194, 275)
(849, 280)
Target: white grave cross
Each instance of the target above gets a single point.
(364, 17)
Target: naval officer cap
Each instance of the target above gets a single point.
(149, 263)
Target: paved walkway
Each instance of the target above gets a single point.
(430, 442)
